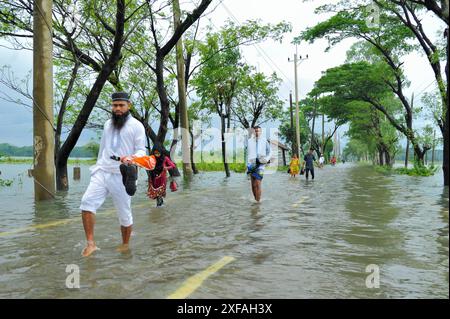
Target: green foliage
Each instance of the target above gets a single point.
(350, 21)
(222, 74)
(283, 168)
(383, 47)
(434, 109)
(287, 134)
(426, 136)
(93, 147)
(215, 83)
(257, 99)
(10, 160)
(359, 81)
(5, 182)
(71, 161)
(7, 150)
(218, 167)
(416, 170)
(349, 94)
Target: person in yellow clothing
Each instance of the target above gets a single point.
(294, 166)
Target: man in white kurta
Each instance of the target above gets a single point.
(259, 154)
(122, 136)
(321, 161)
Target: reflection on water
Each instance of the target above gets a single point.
(306, 239)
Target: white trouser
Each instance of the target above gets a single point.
(103, 183)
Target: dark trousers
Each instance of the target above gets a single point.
(309, 170)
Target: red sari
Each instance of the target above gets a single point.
(157, 184)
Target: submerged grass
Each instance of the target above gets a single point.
(416, 170)
(218, 167)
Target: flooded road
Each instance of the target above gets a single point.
(306, 239)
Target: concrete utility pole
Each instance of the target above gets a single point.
(184, 120)
(297, 119)
(43, 130)
(294, 144)
(323, 134)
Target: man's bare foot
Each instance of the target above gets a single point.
(123, 248)
(89, 249)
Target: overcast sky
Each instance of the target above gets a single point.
(269, 56)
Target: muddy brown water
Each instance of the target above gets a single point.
(306, 239)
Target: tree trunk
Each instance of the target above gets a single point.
(149, 145)
(62, 179)
(419, 155)
(225, 164)
(65, 150)
(313, 123)
(175, 125)
(91, 99)
(407, 153)
(194, 167)
(62, 182)
(380, 157)
(174, 143)
(387, 158)
(161, 53)
(446, 119)
(323, 134)
(163, 99)
(446, 154)
(418, 152)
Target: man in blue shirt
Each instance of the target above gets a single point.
(309, 160)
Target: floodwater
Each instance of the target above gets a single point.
(306, 239)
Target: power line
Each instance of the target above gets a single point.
(423, 90)
(258, 48)
(217, 28)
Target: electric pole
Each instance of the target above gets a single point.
(43, 129)
(294, 144)
(184, 121)
(297, 119)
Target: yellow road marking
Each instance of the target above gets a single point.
(296, 204)
(57, 223)
(192, 283)
(39, 226)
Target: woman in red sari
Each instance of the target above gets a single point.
(157, 181)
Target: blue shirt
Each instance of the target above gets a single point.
(309, 159)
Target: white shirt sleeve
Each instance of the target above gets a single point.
(251, 151)
(139, 140)
(268, 151)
